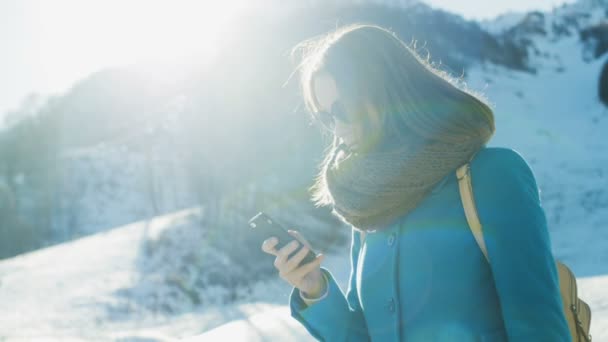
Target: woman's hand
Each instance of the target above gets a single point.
(307, 277)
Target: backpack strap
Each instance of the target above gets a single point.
(463, 174)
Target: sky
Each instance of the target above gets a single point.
(48, 45)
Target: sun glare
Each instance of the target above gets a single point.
(78, 37)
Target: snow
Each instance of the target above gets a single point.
(72, 291)
(501, 23)
(575, 15)
(69, 292)
(563, 121)
(93, 288)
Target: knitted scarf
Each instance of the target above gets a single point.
(372, 189)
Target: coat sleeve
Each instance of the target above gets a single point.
(337, 317)
(519, 249)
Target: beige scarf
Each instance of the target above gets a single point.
(373, 189)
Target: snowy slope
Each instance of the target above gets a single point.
(77, 290)
(563, 123)
(502, 22)
(555, 119)
(571, 16)
(70, 292)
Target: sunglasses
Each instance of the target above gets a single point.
(328, 119)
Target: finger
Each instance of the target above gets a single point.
(269, 244)
(294, 261)
(306, 268)
(284, 252)
(300, 238)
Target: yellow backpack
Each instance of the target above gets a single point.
(578, 313)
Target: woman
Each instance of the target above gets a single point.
(400, 130)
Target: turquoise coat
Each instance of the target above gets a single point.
(424, 278)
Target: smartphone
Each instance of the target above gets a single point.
(263, 227)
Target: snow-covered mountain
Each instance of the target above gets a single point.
(556, 119)
(105, 286)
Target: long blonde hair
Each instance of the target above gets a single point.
(398, 97)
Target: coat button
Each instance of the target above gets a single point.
(391, 239)
(391, 305)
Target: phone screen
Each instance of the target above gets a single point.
(263, 227)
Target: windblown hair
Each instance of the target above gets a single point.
(384, 84)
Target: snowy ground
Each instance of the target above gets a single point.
(554, 118)
(68, 292)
